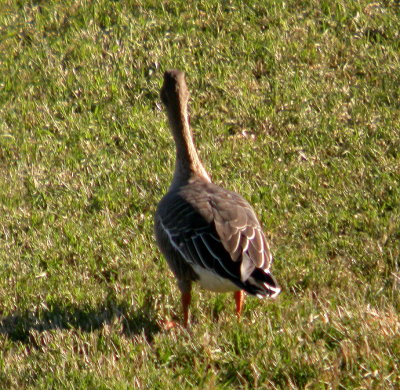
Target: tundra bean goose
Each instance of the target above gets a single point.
(207, 234)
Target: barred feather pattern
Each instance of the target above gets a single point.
(214, 230)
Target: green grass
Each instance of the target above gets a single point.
(294, 104)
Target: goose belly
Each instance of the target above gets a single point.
(211, 281)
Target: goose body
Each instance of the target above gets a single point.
(207, 234)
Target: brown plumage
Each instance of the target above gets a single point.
(206, 233)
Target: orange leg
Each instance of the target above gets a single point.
(186, 299)
(239, 299)
(167, 325)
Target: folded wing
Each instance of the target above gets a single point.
(218, 231)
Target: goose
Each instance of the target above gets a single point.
(207, 234)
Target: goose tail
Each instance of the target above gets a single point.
(262, 284)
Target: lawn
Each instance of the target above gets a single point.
(294, 104)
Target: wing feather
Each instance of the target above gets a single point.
(217, 230)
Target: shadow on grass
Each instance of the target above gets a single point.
(62, 315)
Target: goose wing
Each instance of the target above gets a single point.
(217, 230)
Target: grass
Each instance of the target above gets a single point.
(295, 105)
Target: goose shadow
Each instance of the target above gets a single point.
(86, 318)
